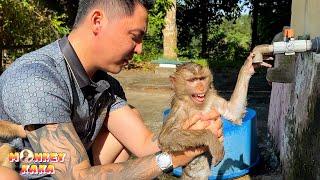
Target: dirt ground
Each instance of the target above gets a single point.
(150, 93)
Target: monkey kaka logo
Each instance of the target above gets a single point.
(26, 156)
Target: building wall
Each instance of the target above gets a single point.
(294, 112)
(305, 17)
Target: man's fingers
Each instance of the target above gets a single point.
(221, 139)
(219, 133)
(217, 123)
(195, 151)
(196, 122)
(199, 125)
(212, 115)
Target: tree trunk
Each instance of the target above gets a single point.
(170, 33)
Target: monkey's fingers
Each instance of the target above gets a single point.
(268, 58)
(249, 59)
(251, 55)
(266, 65)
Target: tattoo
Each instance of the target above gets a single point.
(62, 137)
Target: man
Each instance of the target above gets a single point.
(63, 97)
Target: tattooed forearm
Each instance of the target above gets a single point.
(63, 138)
(141, 168)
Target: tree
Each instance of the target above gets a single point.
(197, 16)
(27, 24)
(268, 18)
(170, 33)
(64, 7)
(153, 41)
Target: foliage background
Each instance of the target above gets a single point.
(212, 32)
(28, 24)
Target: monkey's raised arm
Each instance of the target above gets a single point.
(235, 108)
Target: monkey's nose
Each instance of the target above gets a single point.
(200, 88)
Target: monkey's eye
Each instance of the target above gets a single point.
(191, 79)
(202, 78)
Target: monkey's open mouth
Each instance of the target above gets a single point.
(198, 98)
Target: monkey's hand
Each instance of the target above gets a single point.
(249, 66)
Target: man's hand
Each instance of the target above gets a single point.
(211, 121)
(214, 118)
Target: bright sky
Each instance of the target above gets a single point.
(245, 9)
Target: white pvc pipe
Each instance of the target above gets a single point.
(288, 48)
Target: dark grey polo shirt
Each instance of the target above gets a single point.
(39, 88)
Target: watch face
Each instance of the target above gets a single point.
(164, 161)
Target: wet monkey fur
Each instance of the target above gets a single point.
(8, 132)
(194, 94)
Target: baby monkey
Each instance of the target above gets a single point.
(194, 94)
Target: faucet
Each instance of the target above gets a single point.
(289, 46)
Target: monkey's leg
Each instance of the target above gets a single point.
(179, 140)
(9, 131)
(198, 168)
(5, 149)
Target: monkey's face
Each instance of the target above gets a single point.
(197, 88)
(192, 85)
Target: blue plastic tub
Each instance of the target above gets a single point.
(240, 145)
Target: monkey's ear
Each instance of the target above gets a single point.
(173, 80)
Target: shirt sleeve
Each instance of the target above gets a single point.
(120, 96)
(119, 103)
(35, 94)
(116, 87)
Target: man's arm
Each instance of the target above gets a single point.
(128, 127)
(62, 137)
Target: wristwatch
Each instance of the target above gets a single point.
(164, 161)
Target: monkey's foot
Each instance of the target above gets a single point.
(217, 153)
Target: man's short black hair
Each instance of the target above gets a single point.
(112, 7)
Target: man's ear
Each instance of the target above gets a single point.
(96, 19)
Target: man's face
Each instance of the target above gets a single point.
(119, 39)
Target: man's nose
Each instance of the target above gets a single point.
(138, 48)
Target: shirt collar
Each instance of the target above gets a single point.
(73, 60)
